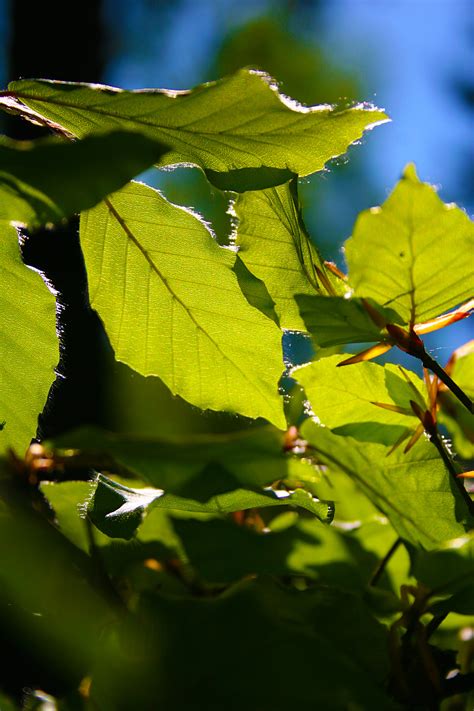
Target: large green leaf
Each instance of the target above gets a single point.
(172, 306)
(413, 490)
(259, 645)
(29, 346)
(254, 457)
(275, 246)
(50, 180)
(230, 127)
(343, 399)
(118, 510)
(414, 253)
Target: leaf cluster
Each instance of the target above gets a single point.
(264, 536)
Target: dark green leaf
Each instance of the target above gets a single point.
(47, 181)
(333, 320)
(118, 510)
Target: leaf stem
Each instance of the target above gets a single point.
(377, 574)
(435, 367)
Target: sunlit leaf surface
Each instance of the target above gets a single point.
(29, 348)
(230, 127)
(414, 253)
(172, 306)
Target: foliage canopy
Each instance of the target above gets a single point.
(310, 546)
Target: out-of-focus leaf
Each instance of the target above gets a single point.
(343, 398)
(413, 490)
(254, 457)
(333, 320)
(449, 573)
(322, 634)
(118, 510)
(172, 306)
(50, 180)
(239, 129)
(413, 253)
(223, 551)
(29, 347)
(51, 604)
(275, 246)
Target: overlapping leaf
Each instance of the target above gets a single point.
(414, 253)
(239, 129)
(172, 305)
(29, 347)
(118, 510)
(345, 399)
(50, 180)
(413, 490)
(334, 320)
(254, 457)
(275, 246)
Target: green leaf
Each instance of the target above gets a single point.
(333, 320)
(224, 552)
(452, 413)
(49, 180)
(69, 501)
(259, 645)
(275, 246)
(412, 254)
(413, 490)
(254, 457)
(232, 128)
(172, 306)
(343, 399)
(449, 573)
(29, 350)
(118, 510)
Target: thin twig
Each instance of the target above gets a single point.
(438, 443)
(376, 575)
(435, 367)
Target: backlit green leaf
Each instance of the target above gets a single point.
(343, 399)
(413, 490)
(172, 306)
(50, 180)
(230, 127)
(275, 246)
(29, 347)
(414, 253)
